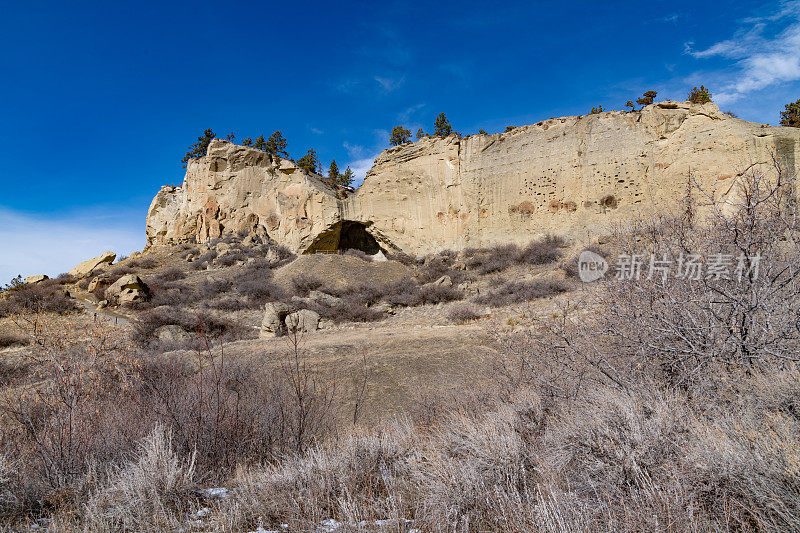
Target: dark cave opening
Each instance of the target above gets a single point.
(345, 235)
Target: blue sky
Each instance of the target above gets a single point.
(100, 99)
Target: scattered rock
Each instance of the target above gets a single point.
(101, 261)
(459, 265)
(444, 281)
(129, 288)
(272, 325)
(171, 333)
(383, 307)
(222, 248)
(304, 321)
(102, 304)
(36, 279)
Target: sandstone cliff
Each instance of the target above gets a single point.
(574, 175)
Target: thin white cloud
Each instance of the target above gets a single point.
(51, 245)
(360, 167)
(389, 84)
(761, 59)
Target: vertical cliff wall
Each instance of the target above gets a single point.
(573, 175)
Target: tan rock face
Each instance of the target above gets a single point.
(36, 279)
(237, 188)
(573, 176)
(101, 261)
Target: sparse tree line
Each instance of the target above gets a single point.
(275, 145)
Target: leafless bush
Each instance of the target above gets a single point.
(462, 314)
(211, 288)
(147, 322)
(169, 274)
(521, 291)
(436, 266)
(541, 252)
(304, 283)
(34, 299)
(151, 493)
(146, 263)
(9, 339)
(230, 259)
(348, 309)
(489, 260)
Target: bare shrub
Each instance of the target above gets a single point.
(521, 291)
(8, 340)
(349, 309)
(437, 266)
(462, 314)
(34, 299)
(211, 288)
(147, 322)
(230, 259)
(489, 260)
(146, 263)
(434, 294)
(305, 283)
(169, 274)
(542, 252)
(150, 493)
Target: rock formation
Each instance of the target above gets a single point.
(573, 176)
(101, 261)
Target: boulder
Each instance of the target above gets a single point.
(444, 281)
(171, 333)
(303, 321)
(272, 325)
(323, 298)
(94, 283)
(101, 261)
(102, 304)
(129, 288)
(36, 279)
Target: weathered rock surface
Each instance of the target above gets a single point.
(171, 333)
(303, 321)
(127, 289)
(101, 261)
(573, 176)
(272, 325)
(236, 188)
(36, 279)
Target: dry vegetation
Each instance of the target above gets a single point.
(654, 405)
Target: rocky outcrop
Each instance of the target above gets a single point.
(31, 280)
(101, 261)
(128, 289)
(574, 176)
(236, 188)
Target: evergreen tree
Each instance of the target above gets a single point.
(247, 141)
(347, 178)
(199, 148)
(420, 134)
(260, 143)
(699, 96)
(597, 110)
(630, 104)
(482, 132)
(333, 172)
(276, 144)
(309, 162)
(647, 98)
(441, 126)
(231, 137)
(400, 135)
(791, 115)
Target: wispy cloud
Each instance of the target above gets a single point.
(389, 84)
(762, 55)
(51, 245)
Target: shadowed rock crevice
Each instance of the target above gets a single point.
(345, 235)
